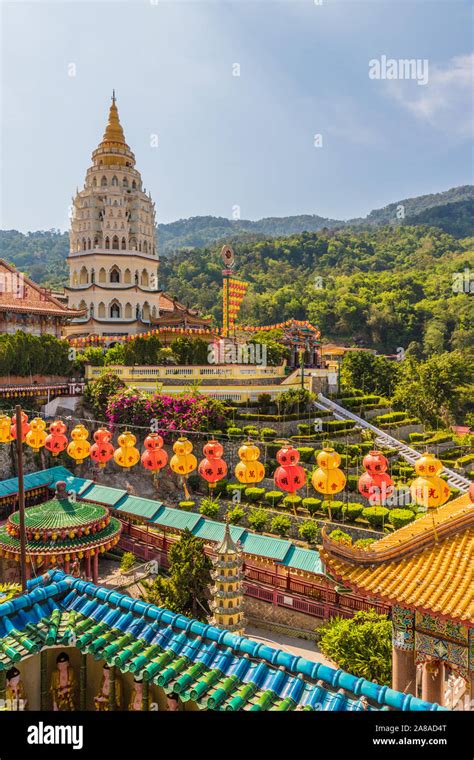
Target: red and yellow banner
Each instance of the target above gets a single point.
(233, 294)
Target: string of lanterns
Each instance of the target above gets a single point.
(376, 485)
(98, 339)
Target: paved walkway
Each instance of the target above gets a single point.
(300, 647)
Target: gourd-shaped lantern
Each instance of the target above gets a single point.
(102, 450)
(290, 475)
(428, 489)
(79, 446)
(375, 484)
(328, 479)
(154, 458)
(126, 455)
(56, 441)
(212, 468)
(183, 461)
(5, 429)
(24, 426)
(249, 469)
(36, 436)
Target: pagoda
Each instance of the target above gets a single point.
(228, 594)
(61, 533)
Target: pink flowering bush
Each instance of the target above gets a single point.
(181, 413)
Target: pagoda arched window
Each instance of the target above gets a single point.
(127, 277)
(84, 244)
(115, 274)
(115, 243)
(94, 182)
(144, 278)
(83, 277)
(134, 185)
(128, 311)
(124, 244)
(146, 312)
(115, 310)
(125, 182)
(101, 310)
(103, 182)
(107, 242)
(102, 275)
(114, 181)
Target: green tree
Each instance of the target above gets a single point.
(361, 645)
(186, 589)
(369, 373)
(257, 519)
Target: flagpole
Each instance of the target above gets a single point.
(21, 496)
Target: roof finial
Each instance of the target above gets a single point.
(113, 96)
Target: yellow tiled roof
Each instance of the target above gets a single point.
(437, 578)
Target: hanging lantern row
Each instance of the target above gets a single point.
(98, 339)
(376, 485)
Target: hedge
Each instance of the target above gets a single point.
(332, 425)
(273, 497)
(309, 531)
(187, 506)
(280, 524)
(254, 494)
(306, 453)
(376, 516)
(292, 501)
(267, 433)
(352, 510)
(335, 508)
(400, 517)
(312, 505)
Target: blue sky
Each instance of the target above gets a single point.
(229, 141)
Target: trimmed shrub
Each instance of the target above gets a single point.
(309, 531)
(273, 497)
(364, 542)
(127, 561)
(341, 537)
(209, 507)
(236, 514)
(232, 487)
(254, 493)
(304, 428)
(280, 524)
(187, 506)
(235, 432)
(333, 508)
(257, 519)
(377, 516)
(400, 517)
(267, 433)
(352, 510)
(251, 430)
(306, 453)
(312, 505)
(292, 501)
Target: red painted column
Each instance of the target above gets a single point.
(95, 570)
(67, 566)
(432, 682)
(88, 567)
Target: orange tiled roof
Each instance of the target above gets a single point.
(20, 294)
(427, 565)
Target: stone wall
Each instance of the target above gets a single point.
(266, 615)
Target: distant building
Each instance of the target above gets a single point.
(26, 306)
(113, 260)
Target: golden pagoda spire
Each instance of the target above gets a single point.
(113, 149)
(113, 131)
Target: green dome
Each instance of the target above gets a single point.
(59, 514)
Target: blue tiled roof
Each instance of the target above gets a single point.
(35, 480)
(217, 669)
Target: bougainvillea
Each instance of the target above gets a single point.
(164, 414)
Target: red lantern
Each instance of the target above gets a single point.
(212, 468)
(102, 450)
(290, 475)
(376, 488)
(154, 458)
(25, 427)
(375, 462)
(56, 441)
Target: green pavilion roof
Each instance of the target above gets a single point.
(59, 514)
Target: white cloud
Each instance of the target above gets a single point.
(446, 103)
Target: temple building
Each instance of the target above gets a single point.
(113, 259)
(26, 306)
(425, 572)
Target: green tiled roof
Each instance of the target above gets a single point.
(59, 513)
(103, 494)
(210, 666)
(266, 546)
(303, 559)
(60, 546)
(176, 518)
(34, 480)
(136, 505)
(211, 530)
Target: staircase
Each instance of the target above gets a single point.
(384, 439)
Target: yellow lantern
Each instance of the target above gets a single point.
(78, 448)
(427, 465)
(5, 429)
(328, 482)
(249, 469)
(36, 435)
(430, 492)
(183, 461)
(126, 455)
(328, 459)
(328, 479)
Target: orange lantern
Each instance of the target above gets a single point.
(56, 441)
(183, 461)
(102, 450)
(328, 479)
(427, 465)
(79, 446)
(428, 489)
(249, 469)
(24, 426)
(5, 429)
(126, 455)
(289, 476)
(212, 468)
(374, 462)
(154, 458)
(36, 437)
